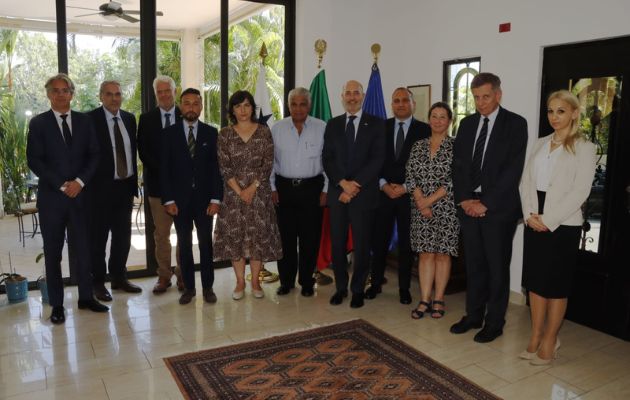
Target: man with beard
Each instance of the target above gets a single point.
(353, 154)
(192, 190)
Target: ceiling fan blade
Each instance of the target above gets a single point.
(137, 12)
(86, 15)
(83, 8)
(128, 18)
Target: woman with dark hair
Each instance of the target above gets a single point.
(246, 227)
(556, 181)
(434, 224)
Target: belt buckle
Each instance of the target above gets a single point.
(296, 182)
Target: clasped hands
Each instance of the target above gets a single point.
(394, 190)
(71, 188)
(423, 204)
(535, 222)
(247, 194)
(350, 190)
(474, 208)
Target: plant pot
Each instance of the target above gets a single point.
(43, 288)
(17, 289)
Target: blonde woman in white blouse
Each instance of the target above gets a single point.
(556, 181)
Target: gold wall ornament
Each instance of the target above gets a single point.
(320, 49)
(376, 49)
(263, 52)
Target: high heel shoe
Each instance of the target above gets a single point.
(536, 360)
(238, 294)
(259, 294)
(526, 355)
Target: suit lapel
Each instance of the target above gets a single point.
(495, 135)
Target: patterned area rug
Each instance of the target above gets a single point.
(350, 360)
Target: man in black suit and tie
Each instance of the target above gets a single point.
(112, 190)
(394, 205)
(192, 190)
(150, 133)
(353, 154)
(63, 152)
(488, 159)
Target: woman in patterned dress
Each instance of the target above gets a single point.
(434, 225)
(246, 226)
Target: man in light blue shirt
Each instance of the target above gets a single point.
(299, 189)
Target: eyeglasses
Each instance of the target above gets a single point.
(59, 91)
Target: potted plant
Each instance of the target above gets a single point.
(15, 284)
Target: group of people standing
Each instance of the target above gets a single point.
(267, 188)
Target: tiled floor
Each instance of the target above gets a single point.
(119, 355)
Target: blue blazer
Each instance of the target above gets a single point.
(179, 171)
(368, 158)
(54, 162)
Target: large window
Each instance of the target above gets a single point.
(458, 75)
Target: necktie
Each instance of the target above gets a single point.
(191, 141)
(167, 120)
(67, 136)
(121, 158)
(400, 139)
(350, 132)
(478, 154)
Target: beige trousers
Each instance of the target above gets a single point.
(163, 223)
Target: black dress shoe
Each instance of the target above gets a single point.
(464, 325)
(372, 292)
(58, 315)
(487, 334)
(93, 305)
(187, 296)
(307, 291)
(101, 292)
(405, 296)
(126, 286)
(357, 300)
(209, 296)
(337, 298)
(283, 290)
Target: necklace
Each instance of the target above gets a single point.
(554, 141)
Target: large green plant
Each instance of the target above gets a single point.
(13, 162)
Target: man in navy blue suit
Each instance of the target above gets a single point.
(192, 190)
(63, 152)
(111, 191)
(353, 154)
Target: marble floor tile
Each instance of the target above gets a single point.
(539, 386)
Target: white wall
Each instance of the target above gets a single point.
(416, 36)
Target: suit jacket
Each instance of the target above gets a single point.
(150, 148)
(569, 186)
(368, 158)
(104, 176)
(54, 162)
(502, 164)
(393, 170)
(179, 171)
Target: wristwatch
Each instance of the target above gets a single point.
(256, 184)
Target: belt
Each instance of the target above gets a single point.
(295, 182)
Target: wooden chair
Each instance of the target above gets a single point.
(27, 209)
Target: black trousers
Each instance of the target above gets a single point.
(299, 222)
(111, 212)
(195, 212)
(390, 211)
(487, 252)
(57, 213)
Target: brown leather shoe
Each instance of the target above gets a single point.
(161, 285)
(187, 296)
(209, 296)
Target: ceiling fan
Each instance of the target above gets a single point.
(113, 10)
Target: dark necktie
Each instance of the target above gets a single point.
(400, 139)
(121, 157)
(191, 141)
(167, 120)
(478, 154)
(67, 136)
(350, 133)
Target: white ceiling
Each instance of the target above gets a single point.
(202, 15)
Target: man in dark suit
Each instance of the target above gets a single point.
(63, 152)
(353, 154)
(192, 189)
(150, 133)
(112, 190)
(488, 159)
(403, 131)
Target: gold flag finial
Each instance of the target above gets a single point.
(263, 52)
(320, 49)
(376, 49)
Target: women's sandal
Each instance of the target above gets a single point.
(440, 312)
(536, 360)
(417, 314)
